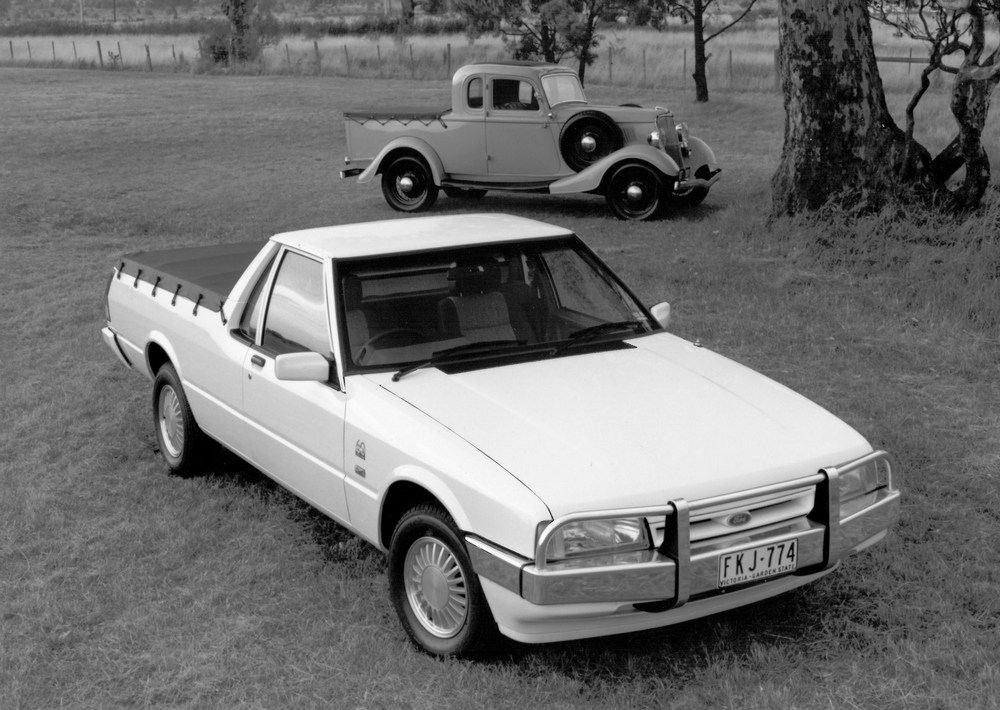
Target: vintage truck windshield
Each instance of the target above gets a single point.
(514, 298)
(562, 88)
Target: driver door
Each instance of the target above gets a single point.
(520, 139)
(295, 429)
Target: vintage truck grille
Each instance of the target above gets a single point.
(742, 516)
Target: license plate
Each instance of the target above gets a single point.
(758, 563)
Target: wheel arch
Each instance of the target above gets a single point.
(406, 145)
(158, 353)
(404, 494)
(595, 178)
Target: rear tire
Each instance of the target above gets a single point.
(181, 441)
(407, 184)
(434, 589)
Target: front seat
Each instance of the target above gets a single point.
(476, 309)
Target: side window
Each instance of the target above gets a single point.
(296, 319)
(251, 314)
(475, 93)
(514, 95)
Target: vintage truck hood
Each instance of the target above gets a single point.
(633, 427)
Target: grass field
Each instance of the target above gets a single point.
(121, 586)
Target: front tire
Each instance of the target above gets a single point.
(181, 441)
(434, 589)
(692, 198)
(635, 192)
(408, 186)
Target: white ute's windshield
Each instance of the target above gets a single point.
(527, 300)
(562, 88)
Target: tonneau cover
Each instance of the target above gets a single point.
(425, 116)
(204, 274)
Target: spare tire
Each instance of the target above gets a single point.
(588, 137)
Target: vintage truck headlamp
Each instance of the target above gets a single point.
(683, 133)
(594, 537)
(656, 140)
(858, 489)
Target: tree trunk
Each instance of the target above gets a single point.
(839, 134)
(700, 60)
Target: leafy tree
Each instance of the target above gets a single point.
(697, 12)
(839, 136)
(248, 33)
(546, 29)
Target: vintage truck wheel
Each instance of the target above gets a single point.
(588, 137)
(433, 587)
(408, 185)
(635, 192)
(465, 193)
(181, 442)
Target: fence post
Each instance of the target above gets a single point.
(910, 63)
(347, 62)
(449, 60)
(730, 68)
(173, 51)
(149, 59)
(288, 55)
(684, 76)
(121, 62)
(319, 64)
(74, 50)
(29, 49)
(11, 49)
(644, 82)
(378, 51)
(611, 51)
(99, 55)
(777, 69)
(412, 67)
(53, 51)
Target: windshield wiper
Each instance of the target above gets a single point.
(448, 353)
(587, 334)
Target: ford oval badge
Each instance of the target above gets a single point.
(738, 519)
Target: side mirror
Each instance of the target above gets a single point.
(661, 312)
(302, 367)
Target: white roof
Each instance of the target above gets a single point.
(410, 234)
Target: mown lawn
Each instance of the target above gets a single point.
(122, 586)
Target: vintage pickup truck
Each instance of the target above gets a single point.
(484, 399)
(528, 127)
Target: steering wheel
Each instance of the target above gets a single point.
(395, 338)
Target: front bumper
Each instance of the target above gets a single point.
(678, 570)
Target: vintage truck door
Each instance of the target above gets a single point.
(520, 138)
(295, 428)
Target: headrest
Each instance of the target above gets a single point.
(475, 277)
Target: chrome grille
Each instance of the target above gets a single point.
(763, 511)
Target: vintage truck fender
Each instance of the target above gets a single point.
(406, 143)
(701, 154)
(591, 178)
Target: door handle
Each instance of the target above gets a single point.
(257, 360)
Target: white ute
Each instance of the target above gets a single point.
(483, 399)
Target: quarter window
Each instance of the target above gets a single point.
(475, 93)
(251, 314)
(296, 319)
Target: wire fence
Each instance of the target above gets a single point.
(646, 67)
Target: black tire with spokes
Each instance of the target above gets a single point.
(635, 192)
(181, 441)
(408, 185)
(434, 589)
(588, 137)
(691, 198)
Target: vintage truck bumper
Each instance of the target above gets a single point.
(614, 593)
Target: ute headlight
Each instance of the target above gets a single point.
(683, 133)
(593, 537)
(858, 489)
(655, 139)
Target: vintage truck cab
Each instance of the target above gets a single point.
(525, 126)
